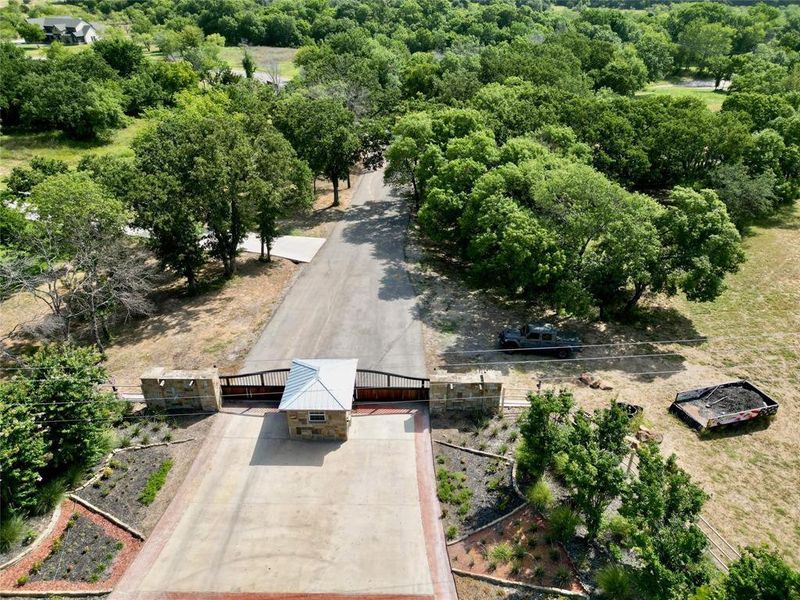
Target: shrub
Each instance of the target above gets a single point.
(563, 523)
(512, 437)
(519, 551)
(451, 532)
(502, 552)
(11, 531)
(155, 482)
(50, 495)
(618, 528)
(616, 583)
(538, 572)
(145, 439)
(125, 441)
(22, 580)
(503, 448)
(106, 473)
(540, 496)
(560, 461)
(554, 553)
(562, 576)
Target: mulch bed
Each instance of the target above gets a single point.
(85, 553)
(488, 479)
(535, 560)
(118, 492)
(88, 525)
(498, 434)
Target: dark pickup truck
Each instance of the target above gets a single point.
(541, 337)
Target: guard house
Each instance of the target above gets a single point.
(318, 398)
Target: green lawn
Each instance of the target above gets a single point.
(17, 148)
(265, 56)
(712, 99)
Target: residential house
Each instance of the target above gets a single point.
(67, 30)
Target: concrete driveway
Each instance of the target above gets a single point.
(355, 299)
(259, 513)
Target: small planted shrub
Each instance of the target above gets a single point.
(50, 495)
(562, 576)
(125, 441)
(440, 459)
(518, 551)
(494, 484)
(540, 496)
(482, 446)
(155, 482)
(616, 583)
(22, 580)
(503, 448)
(516, 567)
(501, 553)
(30, 535)
(106, 473)
(145, 439)
(11, 531)
(554, 554)
(563, 523)
(512, 436)
(538, 572)
(167, 437)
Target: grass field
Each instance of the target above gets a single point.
(265, 56)
(713, 99)
(17, 148)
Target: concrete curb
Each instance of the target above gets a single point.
(473, 451)
(488, 525)
(122, 525)
(39, 538)
(65, 593)
(518, 584)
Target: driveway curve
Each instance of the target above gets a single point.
(355, 299)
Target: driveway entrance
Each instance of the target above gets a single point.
(260, 513)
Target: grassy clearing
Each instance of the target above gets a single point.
(18, 148)
(266, 58)
(711, 98)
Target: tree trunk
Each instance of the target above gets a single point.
(637, 294)
(348, 180)
(416, 192)
(269, 251)
(262, 257)
(191, 279)
(335, 182)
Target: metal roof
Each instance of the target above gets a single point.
(320, 384)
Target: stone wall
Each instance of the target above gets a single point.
(169, 390)
(465, 397)
(334, 428)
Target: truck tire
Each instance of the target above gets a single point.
(510, 346)
(563, 353)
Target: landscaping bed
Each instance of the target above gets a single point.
(471, 588)
(120, 486)
(518, 548)
(497, 434)
(83, 552)
(30, 529)
(474, 490)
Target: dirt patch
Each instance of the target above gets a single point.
(475, 490)
(470, 588)
(117, 491)
(518, 548)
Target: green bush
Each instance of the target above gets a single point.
(501, 553)
(11, 531)
(50, 495)
(155, 482)
(563, 523)
(562, 576)
(451, 532)
(618, 528)
(616, 583)
(540, 496)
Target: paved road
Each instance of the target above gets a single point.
(355, 299)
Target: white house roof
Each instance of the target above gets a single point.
(320, 384)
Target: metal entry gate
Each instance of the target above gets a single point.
(371, 387)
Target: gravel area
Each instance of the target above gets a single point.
(498, 434)
(83, 552)
(122, 480)
(491, 494)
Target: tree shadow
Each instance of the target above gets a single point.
(382, 223)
